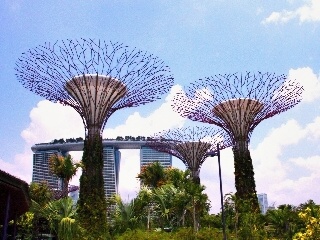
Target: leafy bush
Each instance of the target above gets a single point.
(312, 222)
(180, 234)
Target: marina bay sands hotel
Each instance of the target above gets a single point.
(111, 157)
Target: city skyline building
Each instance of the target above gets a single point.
(111, 160)
(111, 169)
(263, 202)
(149, 155)
(40, 169)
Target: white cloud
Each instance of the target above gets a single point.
(19, 167)
(267, 157)
(310, 82)
(309, 12)
(281, 17)
(48, 121)
(276, 174)
(160, 119)
(311, 163)
(129, 168)
(313, 129)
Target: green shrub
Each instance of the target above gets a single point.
(180, 234)
(144, 235)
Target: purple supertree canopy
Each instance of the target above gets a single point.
(190, 144)
(96, 78)
(238, 102)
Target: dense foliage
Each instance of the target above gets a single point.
(168, 199)
(167, 211)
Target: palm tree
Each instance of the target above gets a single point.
(123, 215)
(144, 205)
(152, 175)
(65, 168)
(40, 194)
(283, 220)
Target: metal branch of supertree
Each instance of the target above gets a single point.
(94, 77)
(237, 102)
(190, 144)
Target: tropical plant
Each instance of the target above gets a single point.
(152, 175)
(25, 226)
(65, 168)
(311, 218)
(241, 220)
(198, 201)
(282, 222)
(61, 215)
(179, 234)
(175, 200)
(144, 206)
(40, 193)
(123, 216)
(34, 222)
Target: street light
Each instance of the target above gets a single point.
(213, 154)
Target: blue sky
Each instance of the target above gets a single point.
(195, 39)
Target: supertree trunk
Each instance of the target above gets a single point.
(195, 176)
(92, 199)
(244, 177)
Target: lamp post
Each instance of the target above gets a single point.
(212, 154)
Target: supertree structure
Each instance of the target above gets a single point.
(238, 103)
(190, 145)
(96, 78)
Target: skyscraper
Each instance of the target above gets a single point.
(111, 160)
(263, 202)
(111, 168)
(41, 170)
(149, 155)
